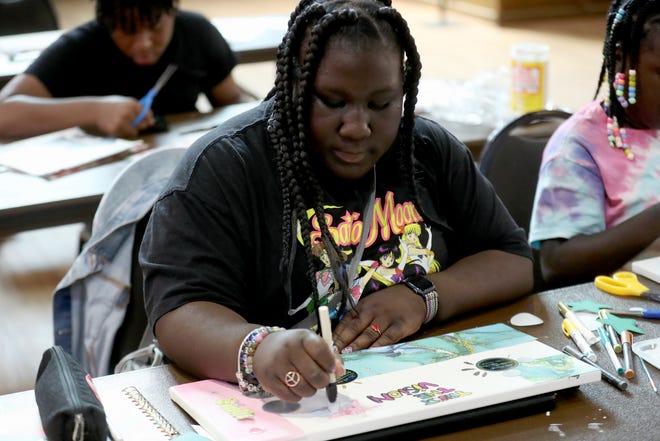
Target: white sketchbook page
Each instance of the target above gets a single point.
(65, 150)
(649, 268)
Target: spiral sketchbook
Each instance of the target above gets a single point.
(473, 374)
(145, 423)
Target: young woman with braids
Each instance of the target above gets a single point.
(94, 75)
(597, 203)
(334, 156)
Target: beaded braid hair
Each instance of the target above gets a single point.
(627, 27)
(118, 14)
(312, 26)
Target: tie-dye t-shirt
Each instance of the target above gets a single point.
(585, 186)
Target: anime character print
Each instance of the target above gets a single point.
(398, 245)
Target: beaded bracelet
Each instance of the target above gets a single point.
(247, 382)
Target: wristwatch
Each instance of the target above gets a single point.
(423, 287)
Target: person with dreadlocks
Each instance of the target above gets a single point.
(597, 204)
(94, 75)
(334, 156)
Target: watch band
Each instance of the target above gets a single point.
(424, 288)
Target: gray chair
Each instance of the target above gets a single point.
(23, 16)
(511, 160)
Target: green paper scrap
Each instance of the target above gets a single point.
(587, 305)
(620, 324)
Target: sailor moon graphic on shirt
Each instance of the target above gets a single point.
(399, 245)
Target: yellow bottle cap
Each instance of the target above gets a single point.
(567, 326)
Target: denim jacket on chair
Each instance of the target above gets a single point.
(90, 302)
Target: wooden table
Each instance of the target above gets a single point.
(253, 39)
(595, 411)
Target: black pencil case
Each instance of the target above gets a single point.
(68, 407)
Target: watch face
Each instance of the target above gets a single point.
(420, 284)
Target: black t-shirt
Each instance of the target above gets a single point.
(86, 62)
(215, 233)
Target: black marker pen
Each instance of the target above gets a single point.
(615, 381)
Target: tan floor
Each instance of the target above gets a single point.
(32, 263)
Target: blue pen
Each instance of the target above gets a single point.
(644, 313)
(148, 99)
(605, 340)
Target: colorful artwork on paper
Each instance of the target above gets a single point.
(376, 361)
(396, 385)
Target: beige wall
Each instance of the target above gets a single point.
(507, 10)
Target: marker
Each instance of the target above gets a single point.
(627, 339)
(605, 340)
(611, 332)
(570, 331)
(586, 333)
(615, 381)
(614, 338)
(641, 312)
(326, 333)
(648, 374)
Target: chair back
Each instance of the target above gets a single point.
(512, 157)
(511, 160)
(23, 16)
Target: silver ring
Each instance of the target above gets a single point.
(292, 378)
(377, 329)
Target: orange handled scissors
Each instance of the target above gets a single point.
(625, 283)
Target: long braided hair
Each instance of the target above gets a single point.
(628, 23)
(312, 25)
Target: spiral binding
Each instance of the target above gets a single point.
(150, 411)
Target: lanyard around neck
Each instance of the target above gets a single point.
(346, 277)
(357, 257)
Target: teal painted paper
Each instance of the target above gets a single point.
(375, 361)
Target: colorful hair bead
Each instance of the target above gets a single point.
(619, 88)
(618, 137)
(618, 17)
(632, 86)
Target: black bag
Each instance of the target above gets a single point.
(68, 407)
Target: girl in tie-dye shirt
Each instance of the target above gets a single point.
(597, 203)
